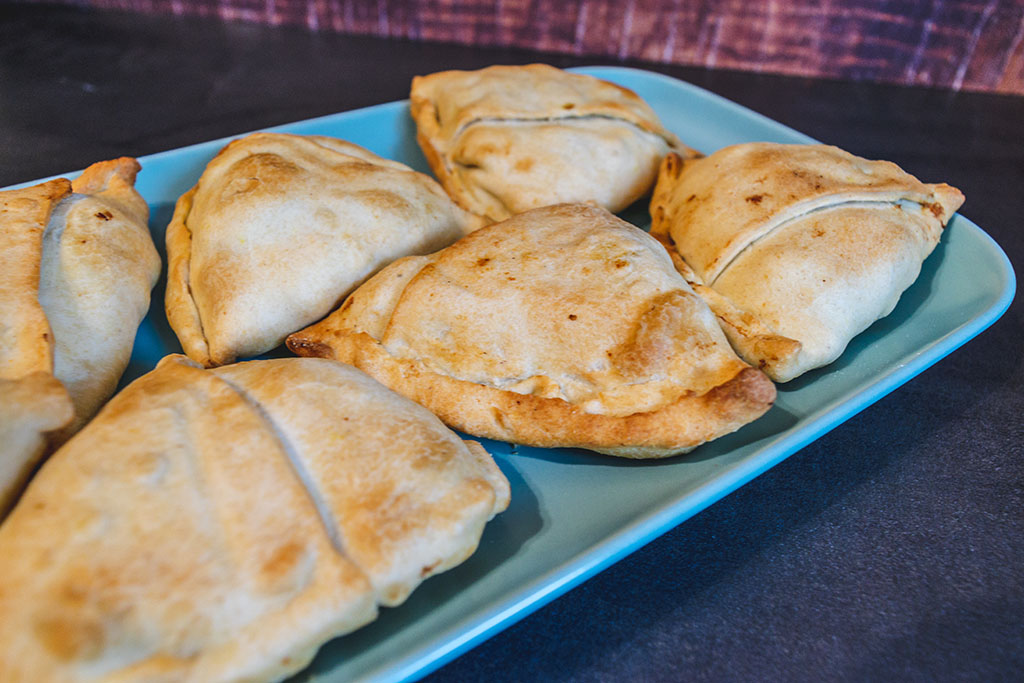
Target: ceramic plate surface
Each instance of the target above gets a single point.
(574, 512)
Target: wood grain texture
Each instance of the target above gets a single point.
(955, 44)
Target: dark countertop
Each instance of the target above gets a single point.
(890, 548)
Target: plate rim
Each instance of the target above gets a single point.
(532, 595)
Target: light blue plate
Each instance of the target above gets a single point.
(574, 512)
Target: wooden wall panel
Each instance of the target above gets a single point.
(971, 44)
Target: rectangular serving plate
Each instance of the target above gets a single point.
(575, 512)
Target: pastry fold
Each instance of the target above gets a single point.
(562, 326)
(33, 408)
(506, 139)
(78, 264)
(221, 525)
(280, 228)
(797, 248)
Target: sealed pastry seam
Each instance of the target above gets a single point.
(180, 306)
(32, 409)
(24, 328)
(279, 228)
(532, 382)
(300, 471)
(796, 248)
(391, 581)
(563, 326)
(173, 539)
(506, 139)
(801, 211)
(748, 334)
(98, 268)
(528, 120)
(549, 422)
(574, 96)
(78, 264)
(831, 176)
(142, 606)
(452, 169)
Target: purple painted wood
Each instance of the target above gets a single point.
(955, 44)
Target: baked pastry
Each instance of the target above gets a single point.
(78, 264)
(797, 248)
(26, 341)
(562, 326)
(99, 265)
(214, 525)
(510, 138)
(32, 409)
(280, 228)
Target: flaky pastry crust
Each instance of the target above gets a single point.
(78, 265)
(279, 228)
(506, 139)
(563, 326)
(221, 525)
(796, 248)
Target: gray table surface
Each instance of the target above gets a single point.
(891, 548)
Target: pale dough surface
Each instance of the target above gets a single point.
(797, 248)
(222, 525)
(506, 139)
(562, 326)
(279, 228)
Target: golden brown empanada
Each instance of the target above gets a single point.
(797, 248)
(26, 341)
(562, 326)
(32, 409)
(216, 525)
(510, 138)
(280, 228)
(99, 265)
(78, 265)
